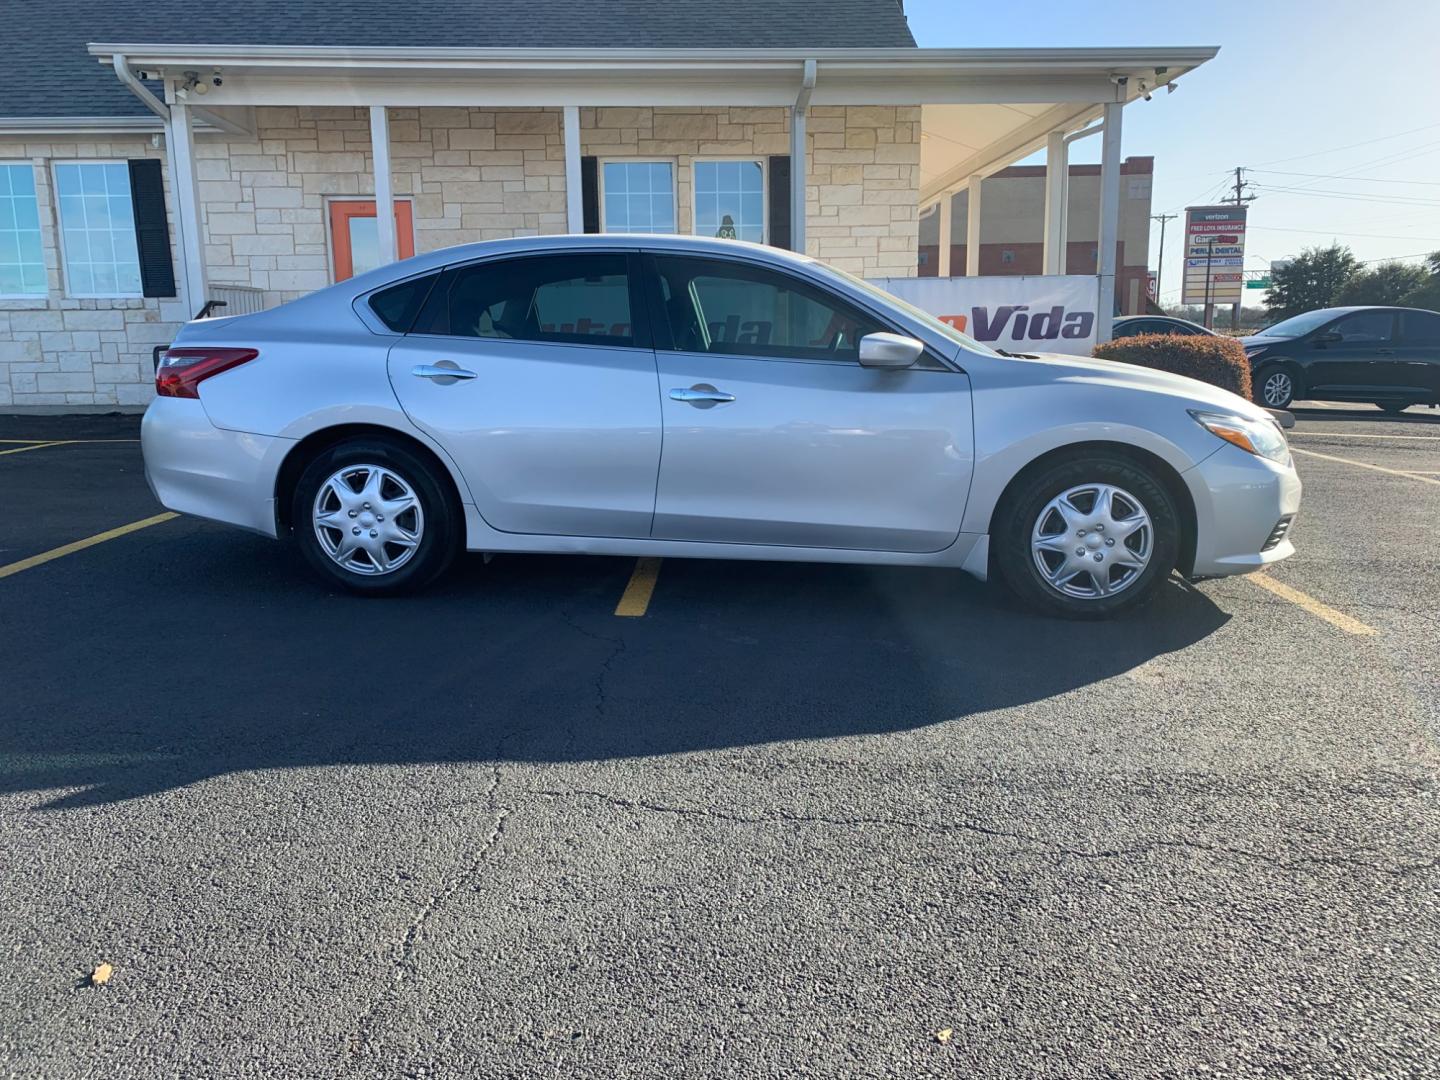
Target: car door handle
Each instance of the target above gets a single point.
(701, 395)
(442, 370)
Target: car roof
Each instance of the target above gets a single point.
(519, 245)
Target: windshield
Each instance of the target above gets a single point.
(1297, 325)
(944, 329)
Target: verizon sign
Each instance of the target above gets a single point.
(1032, 313)
(1214, 255)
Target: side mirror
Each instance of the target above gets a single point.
(889, 351)
(1328, 337)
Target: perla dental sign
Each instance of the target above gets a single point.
(1039, 313)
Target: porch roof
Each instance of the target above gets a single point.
(982, 109)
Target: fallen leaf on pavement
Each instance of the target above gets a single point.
(943, 1035)
(101, 975)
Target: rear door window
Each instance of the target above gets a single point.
(1422, 328)
(563, 299)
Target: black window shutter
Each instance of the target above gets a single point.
(590, 193)
(780, 201)
(152, 227)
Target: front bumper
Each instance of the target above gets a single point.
(1239, 500)
(193, 467)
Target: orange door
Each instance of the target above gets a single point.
(355, 240)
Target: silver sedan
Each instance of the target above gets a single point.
(677, 397)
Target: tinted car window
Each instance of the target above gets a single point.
(1366, 328)
(1422, 328)
(713, 305)
(564, 299)
(398, 305)
(1131, 327)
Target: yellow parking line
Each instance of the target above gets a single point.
(57, 442)
(636, 598)
(1337, 619)
(81, 545)
(22, 449)
(1366, 465)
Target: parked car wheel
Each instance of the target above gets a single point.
(1394, 408)
(1274, 387)
(1087, 537)
(371, 516)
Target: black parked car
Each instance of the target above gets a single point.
(1130, 325)
(1385, 355)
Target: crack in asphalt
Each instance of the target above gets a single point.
(617, 644)
(403, 952)
(790, 817)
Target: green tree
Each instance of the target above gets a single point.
(1387, 283)
(1427, 293)
(1313, 280)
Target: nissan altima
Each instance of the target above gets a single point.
(678, 397)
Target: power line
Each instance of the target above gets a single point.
(1351, 146)
(1331, 232)
(1342, 176)
(1355, 196)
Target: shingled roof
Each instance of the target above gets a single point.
(48, 72)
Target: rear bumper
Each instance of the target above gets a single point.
(193, 467)
(1239, 499)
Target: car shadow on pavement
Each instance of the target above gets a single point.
(1353, 413)
(216, 653)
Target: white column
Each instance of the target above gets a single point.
(972, 228)
(1057, 191)
(947, 202)
(574, 184)
(187, 205)
(797, 179)
(384, 186)
(1109, 218)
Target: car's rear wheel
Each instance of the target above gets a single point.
(1274, 387)
(371, 516)
(1087, 537)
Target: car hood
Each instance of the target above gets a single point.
(1132, 377)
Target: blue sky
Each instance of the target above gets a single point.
(1338, 102)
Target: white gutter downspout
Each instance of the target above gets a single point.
(139, 89)
(798, 170)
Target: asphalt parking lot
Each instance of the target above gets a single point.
(789, 820)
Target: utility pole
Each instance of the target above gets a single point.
(1239, 199)
(1160, 265)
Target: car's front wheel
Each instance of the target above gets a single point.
(1274, 387)
(371, 516)
(1087, 536)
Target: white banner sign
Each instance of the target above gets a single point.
(1034, 313)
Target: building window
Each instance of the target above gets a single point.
(1007, 256)
(97, 228)
(22, 259)
(638, 196)
(730, 200)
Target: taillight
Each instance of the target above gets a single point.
(181, 371)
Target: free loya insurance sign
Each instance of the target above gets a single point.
(1032, 313)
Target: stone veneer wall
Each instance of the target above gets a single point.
(863, 186)
(471, 174)
(58, 352)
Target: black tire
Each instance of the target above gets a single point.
(1394, 408)
(1287, 381)
(440, 535)
(1020, 514)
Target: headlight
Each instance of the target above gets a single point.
(1263, 438)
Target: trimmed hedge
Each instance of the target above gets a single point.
(1220, 361)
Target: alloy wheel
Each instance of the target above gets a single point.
(1278, 389)
(1092, 540)
(368, 519)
